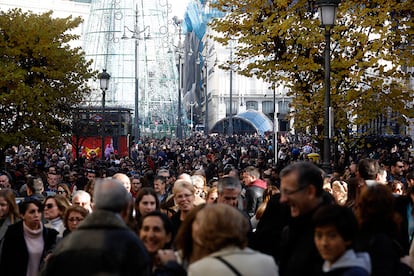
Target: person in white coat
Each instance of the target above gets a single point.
(221, 230)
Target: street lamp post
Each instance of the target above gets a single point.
(103, 83)
(275, 126)
(206, 63)
(327, 14)
(177, 23)
(136, 36)
(192, 104)
(230, 128)
(206, 118)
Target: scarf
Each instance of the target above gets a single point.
(35, 244)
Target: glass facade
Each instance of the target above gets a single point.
(132, 41)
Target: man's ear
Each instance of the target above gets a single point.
(311, 190)
(126, 212)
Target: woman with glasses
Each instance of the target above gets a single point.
(54, 208)
(27, 242)
(73, 216)
(184, 196)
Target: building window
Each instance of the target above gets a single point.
(234, 108)
(252, 105)
(267, 107)
(283, 107)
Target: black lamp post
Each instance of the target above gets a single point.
(327, 15)
(179, 51)
(103, 84)
(230, 128)
(136, 32)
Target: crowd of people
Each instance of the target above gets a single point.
(206, 205)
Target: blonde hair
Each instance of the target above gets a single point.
(182, 184)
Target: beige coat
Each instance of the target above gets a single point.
(246, 261)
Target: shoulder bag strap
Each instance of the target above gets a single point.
(231, 267)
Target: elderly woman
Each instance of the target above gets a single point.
(26, 242)
(73, 216)
(183, 192)
(221, 231)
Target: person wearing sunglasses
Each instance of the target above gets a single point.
(54, 208)
(63, 189)
(396, 171)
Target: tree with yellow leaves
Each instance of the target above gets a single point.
(42, 76)
(281, 41)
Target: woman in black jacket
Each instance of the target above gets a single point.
(27, 243)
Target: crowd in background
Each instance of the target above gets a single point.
(212, 205)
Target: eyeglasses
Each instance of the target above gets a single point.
(60, 192)
(75, 219)
(49, 206)
(288, 193)
(400, 167)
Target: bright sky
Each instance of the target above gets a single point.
(179, 7)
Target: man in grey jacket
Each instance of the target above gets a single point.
(102, 244)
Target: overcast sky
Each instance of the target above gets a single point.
(179, 7)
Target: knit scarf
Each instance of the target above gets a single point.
(35, 243)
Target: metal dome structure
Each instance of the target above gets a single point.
(247, 122)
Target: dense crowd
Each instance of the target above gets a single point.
(206, 205)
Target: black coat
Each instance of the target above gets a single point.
(15, 257)
(299, 255)
(401, 206)
(101, 245)
(254, 197)
(383, 249)
(268, 234)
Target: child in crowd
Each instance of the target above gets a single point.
(335, 231)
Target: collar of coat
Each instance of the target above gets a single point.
(103, 218)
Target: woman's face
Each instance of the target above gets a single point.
(212, 198)
(32, 217)
(184, 199)
(61, 191)
(51, 210)
(74, 219)
(153, 234)
(4, 208)
(199, 187)
(147, 205)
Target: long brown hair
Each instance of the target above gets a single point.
(375, 210)
(9, 197)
